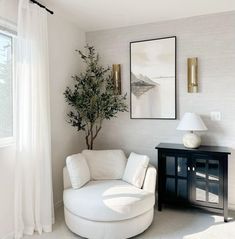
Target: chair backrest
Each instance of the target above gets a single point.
(105, 164)
(66, 179)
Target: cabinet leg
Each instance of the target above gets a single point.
(225, 218)
(226, 215)
(225, 188)
(159, 206)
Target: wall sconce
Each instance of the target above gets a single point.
(117, 78)
(192, 75)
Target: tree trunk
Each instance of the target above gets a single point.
(89, 142)
(90, 137)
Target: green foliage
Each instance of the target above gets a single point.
(93, 97)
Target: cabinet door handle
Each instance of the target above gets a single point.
(188, 168)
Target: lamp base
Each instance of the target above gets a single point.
(191, 140)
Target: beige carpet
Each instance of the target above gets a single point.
(171, 223)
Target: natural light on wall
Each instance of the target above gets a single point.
(6, 89)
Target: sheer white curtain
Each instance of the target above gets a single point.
(33, 186)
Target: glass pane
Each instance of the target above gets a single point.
(200, 190)
(170, 185)
(182, 188)
(170, 165)
(213, 170)
(213, 192)
(182, 167)
(201, 168)
(6, 105)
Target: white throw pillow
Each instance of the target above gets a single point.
(105, 164)
(78, 170)
(135, 169)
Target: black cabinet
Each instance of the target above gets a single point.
(197, 177)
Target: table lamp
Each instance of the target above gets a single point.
(191, 122)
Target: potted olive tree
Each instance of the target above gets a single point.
(93, 97)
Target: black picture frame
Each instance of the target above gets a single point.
(174, 117)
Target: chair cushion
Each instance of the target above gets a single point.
(108, 200)
(135, 169)
(105, 164)
(78, 170)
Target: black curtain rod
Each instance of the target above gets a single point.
(40, 5)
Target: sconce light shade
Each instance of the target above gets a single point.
(192, 75)
(117, 78)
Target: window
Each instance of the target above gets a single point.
(6, 89)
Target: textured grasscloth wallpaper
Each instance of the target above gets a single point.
(211, 38)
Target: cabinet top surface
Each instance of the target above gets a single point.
(202, 148)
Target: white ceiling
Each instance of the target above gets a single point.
(91, 15)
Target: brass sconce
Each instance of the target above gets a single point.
(117, 78)
(192, 75)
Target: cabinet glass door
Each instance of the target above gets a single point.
(200, 179)
(213, 181)
(176, 184)
(206, 182)
(182, 178)
(170, 175)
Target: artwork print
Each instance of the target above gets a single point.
(153, 79)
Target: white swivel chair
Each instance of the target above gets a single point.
(107, 207)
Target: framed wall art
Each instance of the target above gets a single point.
(153, 78)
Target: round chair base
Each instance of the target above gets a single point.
(106, 230)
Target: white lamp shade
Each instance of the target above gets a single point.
(191, 122)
